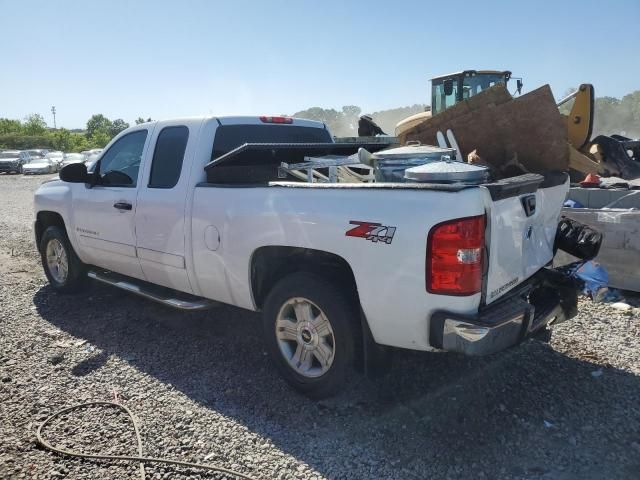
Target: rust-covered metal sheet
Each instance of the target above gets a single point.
(500, 128)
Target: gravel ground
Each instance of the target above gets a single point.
(203, 390)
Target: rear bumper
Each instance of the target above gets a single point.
(548, 298)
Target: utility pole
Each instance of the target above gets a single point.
(53, 110)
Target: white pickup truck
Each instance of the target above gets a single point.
(194, 211)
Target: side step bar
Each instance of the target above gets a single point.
(161, 295)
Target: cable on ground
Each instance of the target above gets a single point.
(127, 458)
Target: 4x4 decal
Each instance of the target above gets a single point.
(375, 232)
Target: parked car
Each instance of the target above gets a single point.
(73, 158)
(38, 152)
(13, 160)
(56, 157)
(91, 160)
(40, 165)
(92, 151)
(198, 206)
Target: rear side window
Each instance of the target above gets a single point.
(168, 156)
(229, 137)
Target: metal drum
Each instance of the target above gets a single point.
(447, 172)
(390, 165)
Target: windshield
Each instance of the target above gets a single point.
(473, 85)
(40, 160)
(9, 154)
(35, 153)
(54, 155)
(462, 89)
(73, 156)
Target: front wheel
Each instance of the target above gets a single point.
(310, 333)
(64, 270)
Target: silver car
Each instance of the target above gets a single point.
(38, 152)
(56, 158)
(39, 165)
(91, 160)
(73, 158)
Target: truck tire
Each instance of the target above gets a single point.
(310, 333)
(64, 270)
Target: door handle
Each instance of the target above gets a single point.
(122, 206)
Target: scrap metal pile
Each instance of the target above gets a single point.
(528, 134)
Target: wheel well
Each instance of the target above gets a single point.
(270, 264)
(45, 220)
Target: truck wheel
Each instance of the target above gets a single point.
(64, 270)
(309, 329)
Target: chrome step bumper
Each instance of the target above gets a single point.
(547, 300)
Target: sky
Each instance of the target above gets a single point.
(164, 59)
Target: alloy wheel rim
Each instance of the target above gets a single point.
(305, 337)
(57, 260)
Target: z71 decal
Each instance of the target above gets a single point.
(375, 232)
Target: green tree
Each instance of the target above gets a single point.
(62, 140)
(117, 126)
(8, 126)
(331, 117)
(630, 105)
(34, 124)
(98, 123)
(140, 120)
(351, 114)
(388, 119)
(99, 140)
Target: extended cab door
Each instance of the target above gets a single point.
(104, 214)
(162, 200)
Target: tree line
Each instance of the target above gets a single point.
(621, 116)
(33, 132)
(344, 122)
(612, 115)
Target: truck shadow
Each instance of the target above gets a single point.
(533, 411)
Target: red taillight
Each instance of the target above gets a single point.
(455, 256)
(265, 119)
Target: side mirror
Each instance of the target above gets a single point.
(75, 173)
(448, 87)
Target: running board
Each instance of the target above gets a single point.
(161, 295)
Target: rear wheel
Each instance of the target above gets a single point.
(64, 270)
(310, 332)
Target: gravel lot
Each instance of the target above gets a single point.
(203, 390)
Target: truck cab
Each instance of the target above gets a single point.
(447, 90)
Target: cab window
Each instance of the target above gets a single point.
(168, 156)
(119, 166)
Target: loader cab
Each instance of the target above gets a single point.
(448, 90)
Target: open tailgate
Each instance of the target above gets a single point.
(522, 218)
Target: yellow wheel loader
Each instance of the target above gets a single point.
(526, 131)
